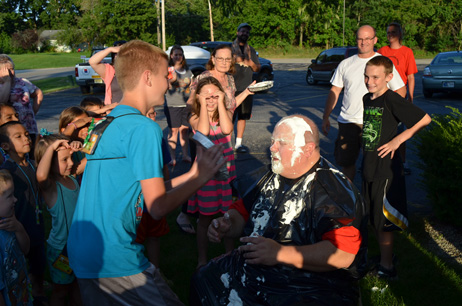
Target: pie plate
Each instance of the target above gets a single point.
(261, 86)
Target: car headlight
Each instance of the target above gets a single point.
(427, 72)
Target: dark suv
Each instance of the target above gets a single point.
(266, 70)
(323, 67)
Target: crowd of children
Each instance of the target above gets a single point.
(50, 175)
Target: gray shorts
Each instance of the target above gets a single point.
(145, 288)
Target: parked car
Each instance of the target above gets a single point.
(323, 67)
(85, 76)
(444, 74)
(266, 70)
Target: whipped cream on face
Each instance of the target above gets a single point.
(298, 127)
(276, 165)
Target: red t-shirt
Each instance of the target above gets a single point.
(403, 59)
(346, 238)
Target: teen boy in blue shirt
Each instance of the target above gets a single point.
(124, 171)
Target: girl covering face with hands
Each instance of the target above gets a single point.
(211, 117)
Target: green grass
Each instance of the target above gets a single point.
(55, 84)
(46, 60)
(289, 52)
(424, 279)
(56, 60)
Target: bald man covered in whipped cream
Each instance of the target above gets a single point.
(303, 230)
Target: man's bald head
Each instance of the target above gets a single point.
(295, 146)
(302, 126)
(366, 28)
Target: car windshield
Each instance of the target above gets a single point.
(449, 59)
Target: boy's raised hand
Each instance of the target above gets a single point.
(208, 162)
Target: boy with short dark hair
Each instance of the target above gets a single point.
(124, 171)
(14, 242)
(383, 177)
(15, 140)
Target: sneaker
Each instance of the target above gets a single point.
(387, 274)
(242, 149)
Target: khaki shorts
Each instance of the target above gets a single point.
(145, 288)
(348, 144)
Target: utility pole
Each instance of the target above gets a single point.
(159, 38)
(211, 21)
(343, 39)
(163, 26)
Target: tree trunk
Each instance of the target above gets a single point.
(211, 22)
(163, 26)
(301, 36)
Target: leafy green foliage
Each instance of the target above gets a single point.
(433, 25)
(5, 43)
(438, 149)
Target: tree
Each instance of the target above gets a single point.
(105, 21)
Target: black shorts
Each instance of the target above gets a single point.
(244, 111)
(348, 144)
(386, 203)
(37, 259)
(178, 116)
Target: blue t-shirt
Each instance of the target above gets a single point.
(14, 282)
(102, 237)
(62, 213)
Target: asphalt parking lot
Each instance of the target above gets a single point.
(290, 95)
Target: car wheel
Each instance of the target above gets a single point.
(427, 93)
(85, 89)
(310, 79)
(263, 76)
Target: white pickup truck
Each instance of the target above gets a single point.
(85, 76)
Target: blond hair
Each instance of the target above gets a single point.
(133, 59)
(5, 177)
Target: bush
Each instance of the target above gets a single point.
(5, 43)
(439, 150)
(24, 41)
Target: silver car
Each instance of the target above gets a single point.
(444, 74)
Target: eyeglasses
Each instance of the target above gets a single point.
(221, 59)
(365, 39)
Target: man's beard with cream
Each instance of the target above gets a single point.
(276, 165)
